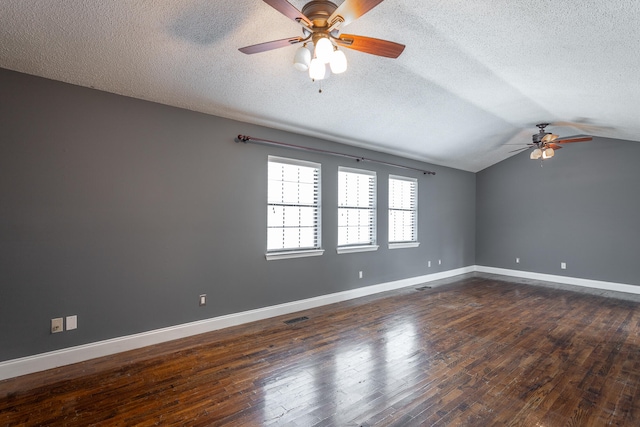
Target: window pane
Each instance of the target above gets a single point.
(307, 237)
(275, 238)
(307, 216)
(275, 216)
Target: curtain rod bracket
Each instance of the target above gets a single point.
(245, 139)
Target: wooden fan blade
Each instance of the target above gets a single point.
(370, 45)
(275, 44)
(351, 10)
(554, 146)
(578, 139)
(289, 10)
(584, 126)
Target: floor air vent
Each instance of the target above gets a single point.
(296, 320)
(423, 288)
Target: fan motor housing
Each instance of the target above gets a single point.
(318, 12)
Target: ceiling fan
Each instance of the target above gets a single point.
(321, 22)
(546, 143)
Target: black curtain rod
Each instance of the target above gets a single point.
(245, 139)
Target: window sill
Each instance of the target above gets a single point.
(352, 249)
(404, 245)
(293, 254)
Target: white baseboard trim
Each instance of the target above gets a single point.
(53, 359)
(597, 284)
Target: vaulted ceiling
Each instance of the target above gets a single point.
(475, 77)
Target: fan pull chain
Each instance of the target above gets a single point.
(319, 83)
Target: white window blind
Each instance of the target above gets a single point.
(403, 209)
(293, 217)
(356, 207)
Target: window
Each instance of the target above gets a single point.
(356, 210)
(293, 213)
(403, 212)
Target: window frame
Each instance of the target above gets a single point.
(286, 253)
(360, 247)
(399, 244)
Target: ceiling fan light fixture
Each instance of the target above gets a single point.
(536, 154)
(323, 49)
(338, 61)
(317, 69)
(549, 137)
(302, 59)
(548, 153)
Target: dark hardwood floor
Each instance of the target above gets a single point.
(478, 351)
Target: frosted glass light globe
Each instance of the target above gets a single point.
(536, 154)
(338, 62)
(324, 49)
(317, 69)
(302, 59)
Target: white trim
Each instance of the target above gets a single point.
(294, 162)
(67, 356)
(403, 178)
(401, 245)
(372, 176)
(414, 181)
(293, 254)
(357, 171)
(352, 249)
(317, 206)
(587, 283)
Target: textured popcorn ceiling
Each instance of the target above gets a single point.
(475, 75)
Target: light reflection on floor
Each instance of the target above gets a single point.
(288, 393)
(352, 370)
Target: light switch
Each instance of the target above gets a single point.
(72, 322)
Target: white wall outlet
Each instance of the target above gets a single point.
(203, 300)
(360, 274)
(563, 265)
(517, 260)
(428, 263)
(439, 262)
(72, 322)
(56, 325)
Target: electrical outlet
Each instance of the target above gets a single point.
(203, 300)
(517, 260)
(428, 263)
(439, 262)
(56, 325)
(360, 274)
(563, 265)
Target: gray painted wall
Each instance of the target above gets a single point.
(581, 207)
(123, 211)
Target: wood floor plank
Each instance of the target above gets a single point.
(478, 351)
